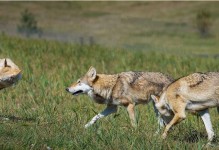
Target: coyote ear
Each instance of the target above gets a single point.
(92, 73)
(5, 63)
(155, 98)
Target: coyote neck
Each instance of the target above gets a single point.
(104, 85)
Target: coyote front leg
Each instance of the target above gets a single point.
(161, 122)
(178, 116)
(108, 110)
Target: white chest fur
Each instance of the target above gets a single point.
(91, 94)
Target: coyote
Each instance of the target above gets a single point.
(196, 93)
(9, 73)
(125, 89)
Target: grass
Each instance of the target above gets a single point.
(138, 36)
(129, 25)
(42, 115)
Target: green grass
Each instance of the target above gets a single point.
(42, 114)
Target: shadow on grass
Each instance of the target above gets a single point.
(15, 119)
(193, 136)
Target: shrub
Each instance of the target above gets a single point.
(28, 24)
(203, 22)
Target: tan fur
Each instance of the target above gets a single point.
(9, 73)
(126, 89)
(113, 88)
(195, 87)
(196, 93)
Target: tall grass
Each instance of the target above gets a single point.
(42, 115)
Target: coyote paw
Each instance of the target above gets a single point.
(87, 125)
(157, 132)
(164, 136)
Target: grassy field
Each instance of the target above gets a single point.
(37, 113)
(130, 25)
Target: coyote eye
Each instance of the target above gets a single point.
(79, 81)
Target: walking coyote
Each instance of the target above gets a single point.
(196, 93)
(126, 89)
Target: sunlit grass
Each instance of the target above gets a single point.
(41, 114)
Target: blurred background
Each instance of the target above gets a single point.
(186, 26)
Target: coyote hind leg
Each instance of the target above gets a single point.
(131, 112)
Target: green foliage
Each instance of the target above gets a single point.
(203, 22)
(28, 24)
(42, 114)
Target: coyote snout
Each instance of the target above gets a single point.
(79, 88)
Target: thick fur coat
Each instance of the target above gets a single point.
(125, 89)
(195, 93)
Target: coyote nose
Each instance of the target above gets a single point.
(67, 89)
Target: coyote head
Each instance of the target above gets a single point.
(9, 73)
(164, 109)
(84, 84)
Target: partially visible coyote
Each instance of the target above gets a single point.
(9, 73)
(126, 89)
(196, 93)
